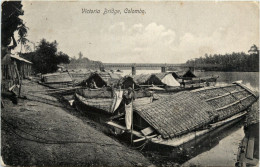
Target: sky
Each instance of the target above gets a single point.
(168, 32)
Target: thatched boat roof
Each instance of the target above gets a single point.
(161, 79)
(189, 74)
(142, 78)
(57, 77)
(160, 75)
(180, 113)
(127, 81)
(175, 74)
(79, 76)
(101, 78)
(185, 74)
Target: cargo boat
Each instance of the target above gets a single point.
(179, 118)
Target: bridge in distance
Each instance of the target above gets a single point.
(156, 65)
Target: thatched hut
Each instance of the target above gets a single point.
(14, 68)
(24, 66)
(10, 74)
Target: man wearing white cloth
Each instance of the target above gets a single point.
(128, 100)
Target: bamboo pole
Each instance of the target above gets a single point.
(132, 125)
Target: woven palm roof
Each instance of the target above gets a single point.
(188, 73)
(105, 77)
(183, 112)
(142, 78)
(127, 81)
(145, 77)
(160, 75)
(57, 77)
(80, 76)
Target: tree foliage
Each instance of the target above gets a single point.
(46, 58)
(83, 63)
(22, 32)
(231, 62)
(11, 10)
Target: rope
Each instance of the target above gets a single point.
(141, 146)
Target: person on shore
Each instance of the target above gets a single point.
(128, 98)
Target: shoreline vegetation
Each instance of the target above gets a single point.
(234, 62)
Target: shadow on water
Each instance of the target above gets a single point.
(162, 154)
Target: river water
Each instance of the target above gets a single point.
(218, 148)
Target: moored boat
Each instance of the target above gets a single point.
(57, 80)
(104, 100)
(178, 118)
(171, 82)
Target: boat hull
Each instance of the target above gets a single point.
(175, 142)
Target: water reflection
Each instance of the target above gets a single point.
(250, 79)
(197, 152)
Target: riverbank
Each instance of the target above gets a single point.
(39, 131)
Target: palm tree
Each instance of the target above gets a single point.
(22, 32)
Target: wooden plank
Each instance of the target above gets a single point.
(111, 123)
(238, 101)
(226, 94)
(147, 131)
(116, 116)
(247, 89)
(250, 148)
(144, 138)
(211, 87)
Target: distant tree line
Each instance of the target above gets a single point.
(46, 57)
(230, 62)
(83, 63)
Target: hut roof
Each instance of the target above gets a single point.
(17, 57)
(183, 112)
(7, 59)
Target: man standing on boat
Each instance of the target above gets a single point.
(128, 98)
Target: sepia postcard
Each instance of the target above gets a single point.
(130, 83)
